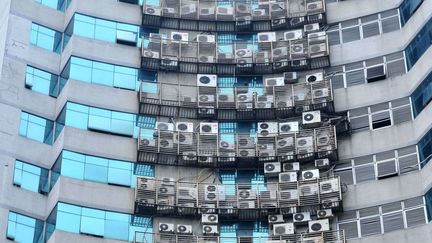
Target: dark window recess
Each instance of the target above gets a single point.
(375, 73)
(129, 1)
(381, 119)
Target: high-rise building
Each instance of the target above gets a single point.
(215, 121)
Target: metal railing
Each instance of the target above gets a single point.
(213, 149)
(276, 102)
(211, 10)
(305, 237)
(243, 201)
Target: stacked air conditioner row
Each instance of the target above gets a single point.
(209, 223)
(286, 197)
(172, 52)
(238, 11)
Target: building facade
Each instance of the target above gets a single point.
(215, 121)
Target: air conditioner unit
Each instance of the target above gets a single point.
(179, 36)
(323, 138)
(166, 143)
(243, 53)
(317, 37)
(189, 155)
(259, 12)
(266, 129)
(278, 23)
(210, 230)
(168, 11)
(329, 185)
(166, 190)
(169, 62)
(311, 117)
(156, 38)
(272, 168)
(225, 57)
(262, 57)
(209, 128)
(310, 174)
(375, 73)
(244, 62)
(316, 239)
(283, 142)
(324, 213)
(275, 218)
(225, 11)
(320, 93)
(226, 145)
(299, 63)
(317, 48)
(277, 81)
(147, 142)
(247, 152)
(268, 205)
(316, 6)
(166, 228)
(288, 127)
(206, 80)
(246, 194)
(206, 98)
(189, 193)
(206, 59)
(185, 139)
(152, 10)
(304, 142)
(283, 229)
(290, 77)
(295, 166)
(206, 38)
(266, 37)
(293, 35)
(322, 163)
(188, 9)
(242, 8)
(267, 152)
(264, 101)
(209, 219)
(145, 183)
(246, 204)
(319, 225)
(279, 53)
(277, 7)
(204, 12)
(184, 229)
(226, 98)
(308, 190)
(184, 126)
(287, 177)
(299, 218)
(329, 203)
(214, 193)
(245, 142)
(244, 106)
(288, 195)
(296, 22)
(168, 181)
(164, 126)
(314, 77)
(297, 49)
(245, 97)
(151, 54)
(311, 27)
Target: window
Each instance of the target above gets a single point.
(418, 46)
(24, 229)
(30, 177)
(46, 38)
(101, 73)
(61, 5)
(100, 29)
(92, 168)
(36, 128)
(422, 95)
(41, 81)
(96, 222)
(101, 120)
(408, 8)
(425, 148)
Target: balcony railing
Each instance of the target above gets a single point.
(192, 101)
(235, 149)
(226, 16)
(236, 201)
(318, 237)
(237, 58)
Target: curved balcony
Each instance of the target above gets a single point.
(233, 16)
(205, 55)
(304, 237)
(237, 201)
(235, 103)
(210, 149)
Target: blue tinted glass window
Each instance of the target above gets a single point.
(36, 128)
(55, 4)
(98, 169)
(101, 73)
(107, 224)
(41, 81)
(45, 38)
(422, 96)
(24, 229)
(428, 198)
(30, 177)
(101, 29)
(425, 148)
(418, 46)
(408, 8)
